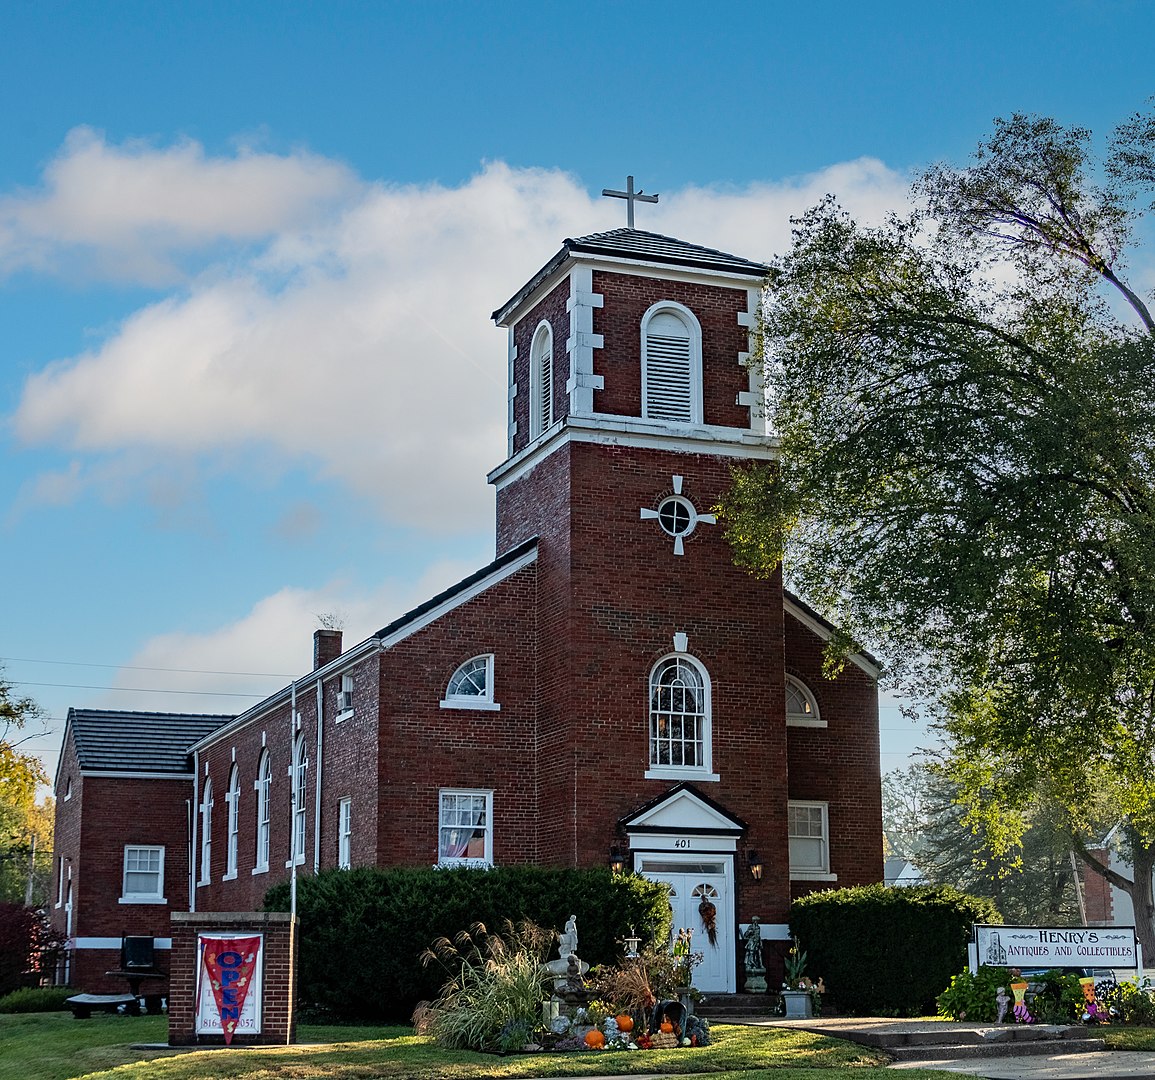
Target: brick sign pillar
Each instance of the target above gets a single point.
(278, 975)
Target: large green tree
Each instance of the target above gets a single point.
(966, 402)
(25, 823)
(923, 821)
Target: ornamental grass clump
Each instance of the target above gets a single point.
(492, 998)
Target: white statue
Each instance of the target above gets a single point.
(567, 940)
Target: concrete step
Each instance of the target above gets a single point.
(1008, 1048)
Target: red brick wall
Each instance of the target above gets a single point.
(1097, 891)
(279, 998)
(552, 308)
(627, 297)
(103, 815)
(838, 764)
(425, 748)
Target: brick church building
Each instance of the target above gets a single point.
(610, 688)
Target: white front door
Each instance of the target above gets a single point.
(694, 879)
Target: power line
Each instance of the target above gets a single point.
(131, 667)
(137, 689)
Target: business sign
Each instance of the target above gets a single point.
(229, 984)
(1056, 946)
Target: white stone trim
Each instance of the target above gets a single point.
(124, 774)
(582, 341)
(775, 931)
(606, 430)
(462, 703)
(825, 633)
(755, 397)
(511, 424)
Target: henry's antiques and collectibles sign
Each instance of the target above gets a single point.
(1056, 946)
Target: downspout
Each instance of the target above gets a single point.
(192, 855)
(293, 775)
(317, 807)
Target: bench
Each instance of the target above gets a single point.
(83, 1004)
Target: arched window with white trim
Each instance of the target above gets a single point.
(541, 380)
(262, 785)
(671, 364)
(206, 833)
(801, 706)
(234, 800)
(297, 776)
(680, 736)
(471, 685)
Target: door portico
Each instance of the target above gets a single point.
(689, 842)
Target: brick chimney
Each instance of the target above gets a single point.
(326, 647)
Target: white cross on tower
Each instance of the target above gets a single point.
(677, 516)
(631, 196)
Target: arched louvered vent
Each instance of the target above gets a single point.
(541, 381)
(669, 373)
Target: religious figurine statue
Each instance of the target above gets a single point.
(753, 940)
(755, 966)
(567, 940)
(1003, 1002)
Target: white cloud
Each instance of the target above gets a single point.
(266, 647)
(355, 341)
(129, 211)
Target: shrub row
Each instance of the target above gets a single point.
(363, 930)
(887, 951)
(32, 999)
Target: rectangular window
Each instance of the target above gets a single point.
(345, 835)
(345, 698)
(465, 831)
(143, 875)
(60, 881)
(809, 839)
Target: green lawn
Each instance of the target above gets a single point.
(54, 1046)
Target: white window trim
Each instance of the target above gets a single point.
(810, 874)
(345, 833)
(695, 327)
(470, 701)
(345, 700)
(485, 862)
(141, 898)
(262, 809)
(539, 420)
(814, 721)
(233, 836)
(205, 855)
(60, 881)
(298, 803)
(705, 771)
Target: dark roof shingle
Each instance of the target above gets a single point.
(108, 739)
(634, 244)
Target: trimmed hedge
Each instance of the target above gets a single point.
(363, 930)
(37, 999)
(887, 951)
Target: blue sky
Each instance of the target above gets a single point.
(248, 253)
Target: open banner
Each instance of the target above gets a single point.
(229, 984)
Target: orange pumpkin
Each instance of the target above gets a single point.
(667, 1027)
(595, 1040)
(625, 1023)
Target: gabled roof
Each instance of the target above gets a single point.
(116, 741)
(683, 809)
(634, 245)
(825, 629)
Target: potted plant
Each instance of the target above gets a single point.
(798, 991)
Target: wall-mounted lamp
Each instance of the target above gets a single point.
(616, 860)
(755, 864)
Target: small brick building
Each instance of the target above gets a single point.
(610, 687)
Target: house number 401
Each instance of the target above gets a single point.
(681, 843)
